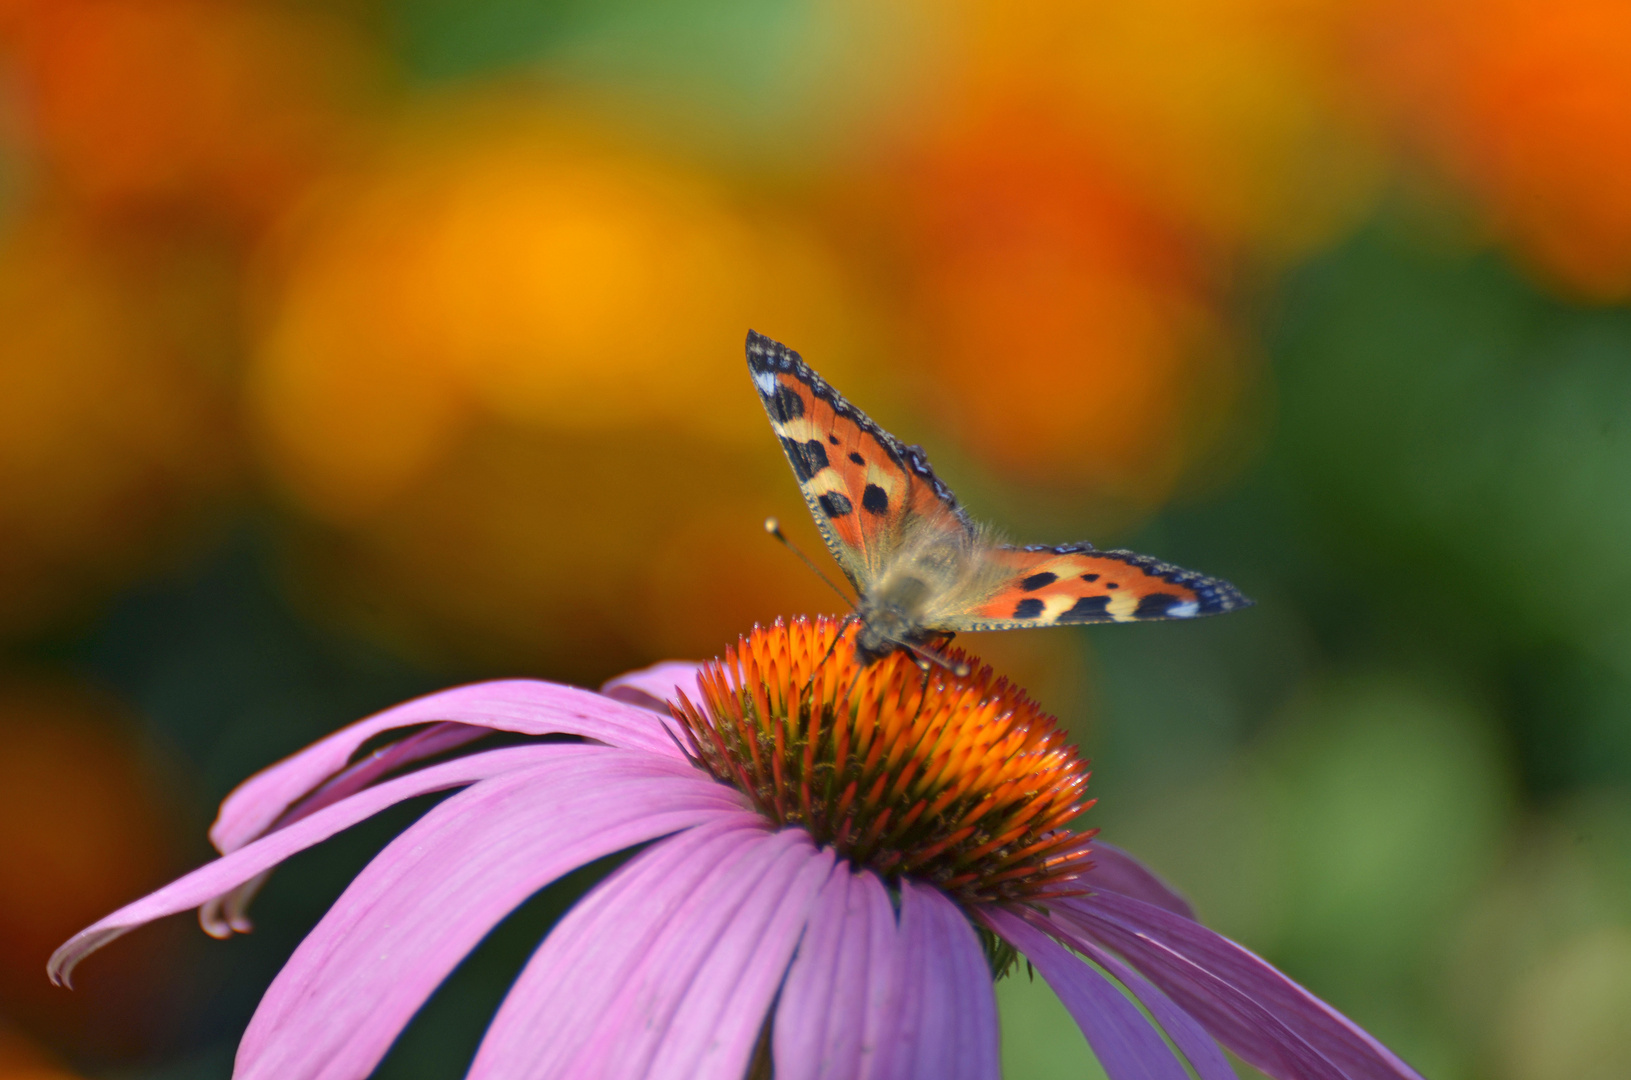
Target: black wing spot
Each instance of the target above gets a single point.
(1156, 605)
(808, 458)
(1090, 577)
(835, 503)
(857, 458)
(832, 438)
(1036, 581)
(1028, 608)
(874, 500)
(1112, 584)
(1087, 609)
(784, 404)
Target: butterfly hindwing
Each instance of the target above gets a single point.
(865, 489)
(1070, 584)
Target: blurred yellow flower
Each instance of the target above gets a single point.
(509, 363)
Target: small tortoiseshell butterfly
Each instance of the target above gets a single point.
(924, 570)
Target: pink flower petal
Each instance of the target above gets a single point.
(693, 1001)
(654, 687)
(716, 980)
(425, 901)
(230, 871)
(1125, 1043)
(1190, 1038)
(1251, 1007)
(1118, 871)
(524, 705)
(830, 1019)
(947, 1025)
(577, 979)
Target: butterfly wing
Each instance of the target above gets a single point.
(866, 489)
(1074, 583)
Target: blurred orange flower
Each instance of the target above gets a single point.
(1527, 103)
(80, 826)
(83, 825)
(211, 108)
(1079, 202)
(22, 1059)
(1072, 333)
(1226, 113)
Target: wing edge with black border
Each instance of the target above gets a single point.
(768, 362)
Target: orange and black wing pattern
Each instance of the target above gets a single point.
(865, 488)
(1075, 583)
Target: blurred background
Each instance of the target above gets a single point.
(352, 349)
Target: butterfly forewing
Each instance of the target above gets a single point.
(866, 491)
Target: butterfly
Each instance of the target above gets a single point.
(922, 568)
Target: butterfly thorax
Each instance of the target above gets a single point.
(891, 618)
(915, 587)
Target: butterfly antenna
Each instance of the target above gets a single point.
(774, 528)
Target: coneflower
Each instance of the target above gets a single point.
(839, 860)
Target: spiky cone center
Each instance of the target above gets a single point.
(959, 780)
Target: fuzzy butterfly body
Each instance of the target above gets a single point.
(922, 568)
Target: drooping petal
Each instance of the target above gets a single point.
(230, 871)
(523, 705)
(1250, 1006)
(229, 913)
(426, 743)
(1190, 1038)
(947, 1026)
(438, 888)
(840, 996)
(1116, 870)
(654, 687)
(1122, 1039)
(1234, 1017)
(666, 970)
